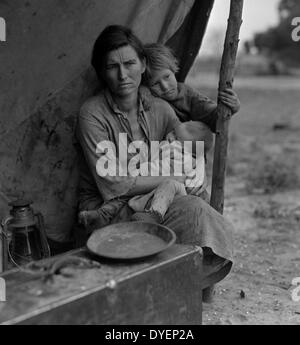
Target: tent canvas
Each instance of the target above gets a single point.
(45, 76)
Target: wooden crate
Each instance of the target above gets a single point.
(164, 289)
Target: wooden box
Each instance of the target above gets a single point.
(163, 289)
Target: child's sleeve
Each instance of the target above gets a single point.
(167, 117)
(203, 109)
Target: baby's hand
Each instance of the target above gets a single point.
(230, 99)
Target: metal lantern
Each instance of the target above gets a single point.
(23, 235)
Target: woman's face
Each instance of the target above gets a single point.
(163, 84)
(122, 71)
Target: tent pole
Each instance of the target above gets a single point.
(224, 113)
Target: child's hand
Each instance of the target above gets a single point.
(230, 99)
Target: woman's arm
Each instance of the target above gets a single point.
(145, 184)
(92, 130)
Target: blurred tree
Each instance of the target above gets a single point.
(277, 41)
(247, 47)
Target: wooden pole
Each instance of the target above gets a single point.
(224, 113)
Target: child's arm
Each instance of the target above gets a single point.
(204, 109)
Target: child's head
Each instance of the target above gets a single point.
(194, 131)
(160, 71)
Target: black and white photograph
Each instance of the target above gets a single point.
(149, 165)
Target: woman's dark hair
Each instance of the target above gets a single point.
(112, 38)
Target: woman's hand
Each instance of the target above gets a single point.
(170, 137)
(230, 99)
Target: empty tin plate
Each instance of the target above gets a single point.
(130, 240)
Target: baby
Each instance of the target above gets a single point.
(189, 156)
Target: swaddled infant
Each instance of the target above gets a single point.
(190, 141)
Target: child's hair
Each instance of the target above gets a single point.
(159, 56)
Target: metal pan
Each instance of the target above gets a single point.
(130, 240)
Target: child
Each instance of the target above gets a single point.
(154, 205)
(188, 103)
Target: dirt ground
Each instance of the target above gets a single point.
(262, 200)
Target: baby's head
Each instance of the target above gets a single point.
(194, 131)
(160, 71)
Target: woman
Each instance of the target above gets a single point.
(126, 107)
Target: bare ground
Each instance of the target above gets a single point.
(263, 203)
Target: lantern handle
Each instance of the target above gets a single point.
(4, 243)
